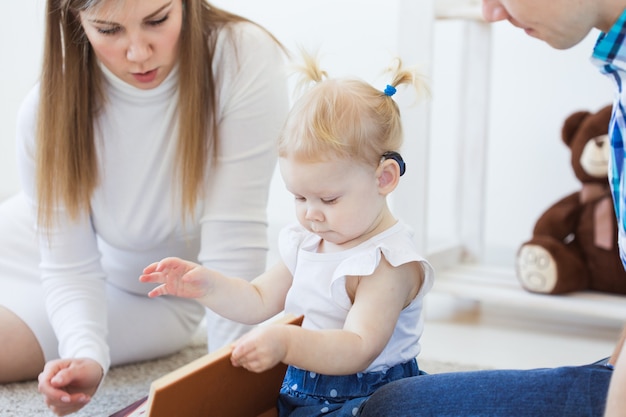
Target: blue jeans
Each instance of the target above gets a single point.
(307, 394)
(566, 391)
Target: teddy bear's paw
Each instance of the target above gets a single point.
(536, 269)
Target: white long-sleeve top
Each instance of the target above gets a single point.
(136, 215)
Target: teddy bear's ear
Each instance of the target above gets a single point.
(571, 125)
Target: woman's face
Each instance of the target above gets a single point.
(137, 40)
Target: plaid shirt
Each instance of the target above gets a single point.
(609, 55)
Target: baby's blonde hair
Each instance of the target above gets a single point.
(344, 118)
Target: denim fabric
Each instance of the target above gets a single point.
(552, 392)
(308, 394)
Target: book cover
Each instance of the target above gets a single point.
(212, 386)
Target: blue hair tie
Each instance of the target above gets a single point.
(390, 90)
(396, 157)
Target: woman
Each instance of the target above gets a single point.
(150, 134)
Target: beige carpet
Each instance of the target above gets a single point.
(125, 384)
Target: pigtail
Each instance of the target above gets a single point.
(402, 75)
(309, 71)
(389, 112)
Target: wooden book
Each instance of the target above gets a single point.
(212, 386)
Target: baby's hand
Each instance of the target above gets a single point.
(260, 349)
(177, 277)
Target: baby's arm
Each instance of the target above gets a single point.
(233, 298)
(378, 301)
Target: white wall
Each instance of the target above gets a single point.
(533, 89)
(21, 34)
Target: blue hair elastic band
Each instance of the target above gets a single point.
(396, 157)
(390, 90)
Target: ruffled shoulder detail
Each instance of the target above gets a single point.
(291, 239)
(397, 247)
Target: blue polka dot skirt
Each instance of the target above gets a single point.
(308, 394)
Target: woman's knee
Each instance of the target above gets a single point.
(21, 357)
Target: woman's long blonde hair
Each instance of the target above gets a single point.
(344, 117)
(71, 95)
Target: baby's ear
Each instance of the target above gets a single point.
(388, 174)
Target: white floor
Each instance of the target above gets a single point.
(492, 336)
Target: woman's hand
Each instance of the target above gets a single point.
(260, 349)
(68, 384)
(177, 277)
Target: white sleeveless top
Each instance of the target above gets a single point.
(318, 291)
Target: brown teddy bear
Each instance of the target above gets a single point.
(574, 243)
